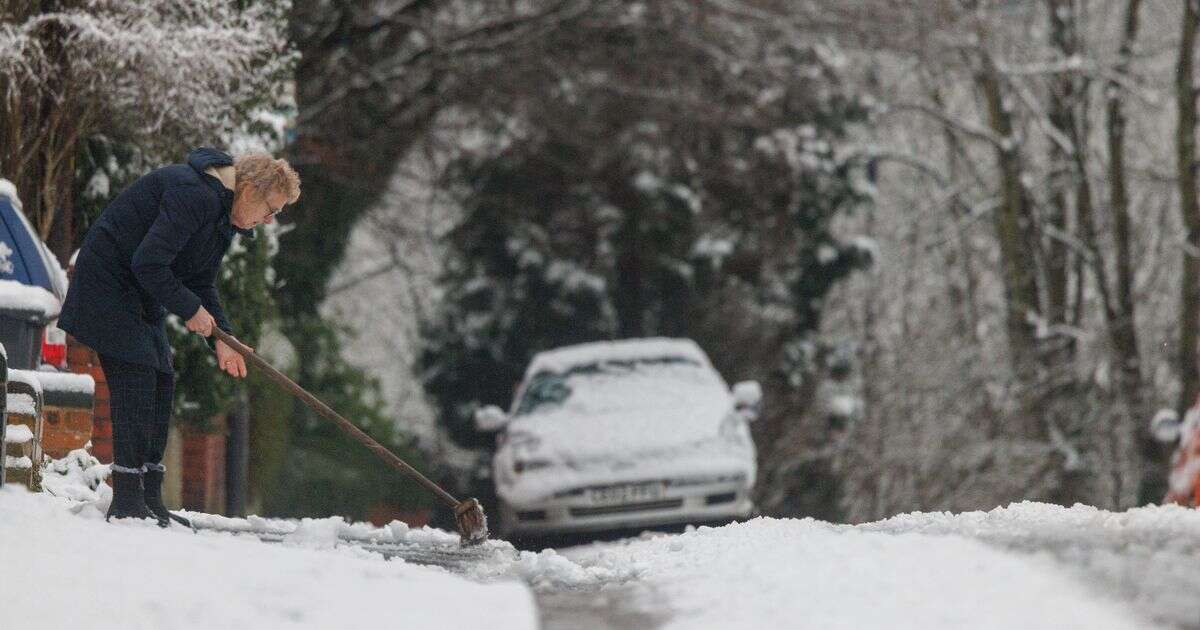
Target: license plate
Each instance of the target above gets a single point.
(632, 493)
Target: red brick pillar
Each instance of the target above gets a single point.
(82, 360)
(204, 470)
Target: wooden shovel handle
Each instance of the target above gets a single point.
(333, 416)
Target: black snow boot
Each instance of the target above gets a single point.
(128, 500)
(153, 480)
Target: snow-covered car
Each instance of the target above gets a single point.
(1183, 482)
(625, 434)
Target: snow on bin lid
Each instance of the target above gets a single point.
(66, 381)
(24, 258)
(562, 359)
(23, 297)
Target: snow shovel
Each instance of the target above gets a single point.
(472, 522)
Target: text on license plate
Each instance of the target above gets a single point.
(631, 493)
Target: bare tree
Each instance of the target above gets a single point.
(1016, 114)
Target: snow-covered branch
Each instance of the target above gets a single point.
(968, 129)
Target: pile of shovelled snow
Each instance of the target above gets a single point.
(549, 571)
(329, 532)
(77, 571)
(495, 560)
(769, 573)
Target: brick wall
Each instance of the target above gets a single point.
(66, 429)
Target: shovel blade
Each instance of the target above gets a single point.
(472, 522)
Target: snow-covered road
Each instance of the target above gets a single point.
(1027, 566)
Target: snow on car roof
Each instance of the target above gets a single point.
(8, 189)
(563, 359)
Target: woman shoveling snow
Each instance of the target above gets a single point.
(157, 248)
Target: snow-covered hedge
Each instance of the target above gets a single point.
(178, 67)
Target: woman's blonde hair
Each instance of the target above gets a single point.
(262, 173)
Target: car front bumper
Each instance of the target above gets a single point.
(578, 512)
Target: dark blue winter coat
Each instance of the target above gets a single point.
(156, 248)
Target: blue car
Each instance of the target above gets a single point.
(32, 287)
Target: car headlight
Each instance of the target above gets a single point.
(708, 480)
(731, 430)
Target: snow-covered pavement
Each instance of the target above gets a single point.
(1024, 566)
(61, 571)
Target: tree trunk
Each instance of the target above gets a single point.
(1063, 98)
(1124, 329)
(1185, 143)
(1066, 402)
(964, 298)
(1152, 456)
(61, 233)
(1013, 225)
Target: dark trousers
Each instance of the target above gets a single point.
(140, 401)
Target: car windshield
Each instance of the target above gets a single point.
(547, 389)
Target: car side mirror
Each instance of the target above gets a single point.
(490, 418)
(747, 398)
(1165, 426)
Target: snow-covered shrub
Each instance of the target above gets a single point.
(78, 476)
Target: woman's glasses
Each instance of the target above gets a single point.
(271, 212)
